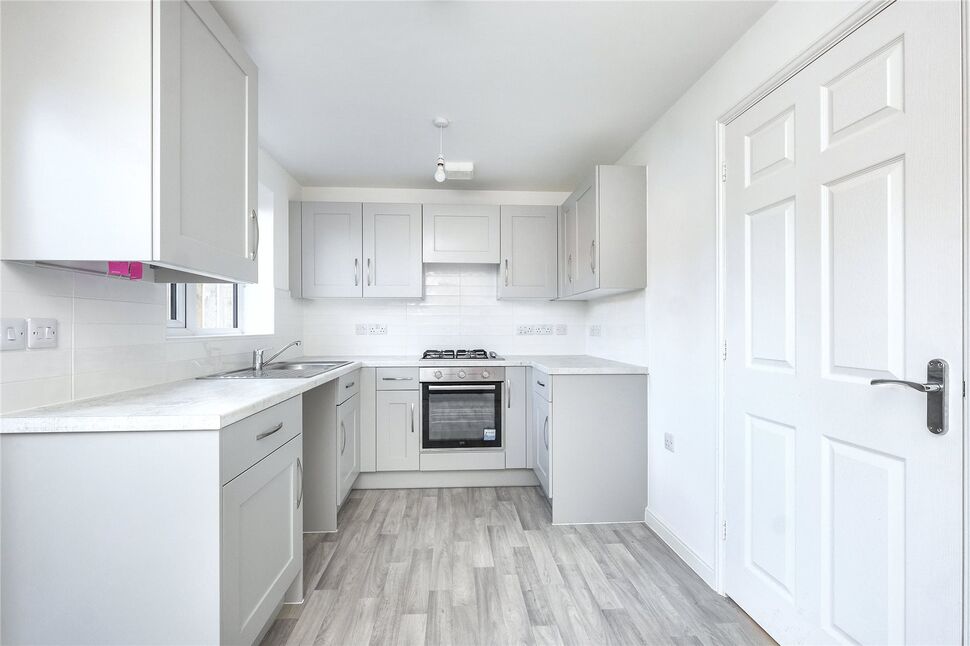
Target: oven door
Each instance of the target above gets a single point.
(461, 416)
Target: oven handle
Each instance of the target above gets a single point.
(464, 387)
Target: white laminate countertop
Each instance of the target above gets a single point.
(211, 404)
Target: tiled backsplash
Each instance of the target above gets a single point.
(459, 309)
(622, 323)
(112, 337)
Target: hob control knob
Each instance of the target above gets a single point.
(484, 374)
(437, 374)
(461, 374)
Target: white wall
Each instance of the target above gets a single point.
(678, 306)
(459, 309)
(113, 332)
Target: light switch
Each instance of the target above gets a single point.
(14, 334)
(41, 333)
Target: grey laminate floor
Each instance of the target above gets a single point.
(485, 566)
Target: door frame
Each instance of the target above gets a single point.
(847, 26)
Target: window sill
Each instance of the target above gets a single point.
(194, 336)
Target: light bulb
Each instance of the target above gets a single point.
(439, 173)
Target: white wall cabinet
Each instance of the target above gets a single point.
(348, 447)
(149, 133)
(462, 233)
(516, 414)
(392, 251)
(398, 430)
(262, 541)
(603, 235)
(529, 252)
(332, 239)
(352, 250)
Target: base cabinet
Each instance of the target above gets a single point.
(398, 432)
(348, 446)
(516, 414)
(542, 423)
(262, 541)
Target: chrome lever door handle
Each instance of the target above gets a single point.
(923, 388)
(936, 393)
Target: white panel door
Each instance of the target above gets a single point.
(262, 541)
(392, 251)
(587, 225)
(542, 423)
(529, 252)
(398, 430)
(348, 446)
(206, 133)
(461, 233)
(332, 245)
(843, 257)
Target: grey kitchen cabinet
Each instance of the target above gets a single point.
(352, 250)
(368, 421)
(211, 517)
(462, 233)
(348, 447)
(398, 430)
(262, 541)
(182, 200)
(542, 423)
(331, 447)
(392, 251)
(604, 234)
(516, 415)
(331, 246)
(529, 252)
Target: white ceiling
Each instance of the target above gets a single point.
(537, 92)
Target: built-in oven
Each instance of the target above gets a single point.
(462, 407)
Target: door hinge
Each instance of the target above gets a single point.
(724, 530)
(724, 352)
(723, 171)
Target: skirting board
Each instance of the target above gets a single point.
(435, 479)
(686, 554)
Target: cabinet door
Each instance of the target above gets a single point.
(393, 266)
(205, 124)
(461, 233)
(398, 430)
(262, 541)
(529, 252)
(542, 421)
(569, 248)
(332, 247)
(348, 446)
(516, 413)
(586, 276)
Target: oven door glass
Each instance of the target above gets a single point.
(460, 416)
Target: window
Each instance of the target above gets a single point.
(210, 308)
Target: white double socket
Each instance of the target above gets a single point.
(13, 334)
(41, 333)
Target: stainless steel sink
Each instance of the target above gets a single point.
(282, 370)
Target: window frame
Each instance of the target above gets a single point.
(184, 311)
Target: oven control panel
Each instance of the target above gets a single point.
(458, 374)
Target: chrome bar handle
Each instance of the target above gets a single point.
(343, 437)
(935, 388)
(412, 418)
(569, 267)
(508, 393)
(397, 378)
(255, 218)
(269, 432)
(299, 497)
(506, 272)
(592, 256)
(356, 272)
(545, 432)
(368, 272)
